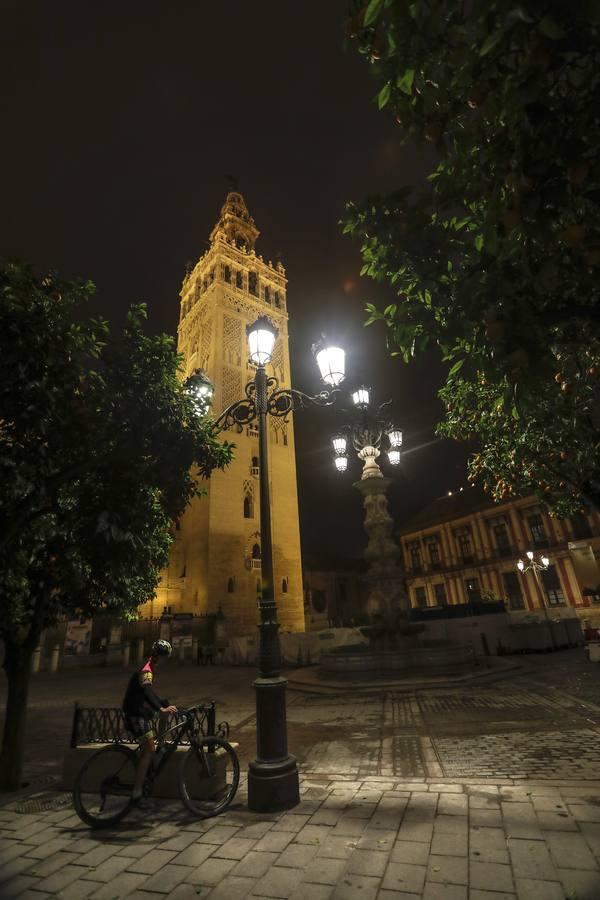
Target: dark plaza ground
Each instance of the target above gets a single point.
(486, 792)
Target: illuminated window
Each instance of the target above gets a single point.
(284, 586)
(421, 597)
(253, 283)
(512, 589)
(440, 594)
(553, 587)
(227, 274)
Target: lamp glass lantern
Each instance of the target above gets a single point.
(331, 361)
(394, 456)
(360, 397)
(395, 438)
(341, 463)
(261, 340)
(339, 444)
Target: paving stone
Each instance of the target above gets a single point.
(170, 876)
(325, 817)
(57, 860)
(396, 895)
(340, 847)
(493, 895)
(520, 821)
(324, 871)
(297, 856)
(584, 812)
(125, 884)
(416, 831)
(453, 805)
(404, 877)
(449, 844)
(448, 869)
(356, 887)
(535, 889)
(591, 833)
(377, 839)
(443, 788)
(77, 890)
(151, 862)
(278, 882)
(451, 825)
(15, 849)
(100, 852)
(193, 855)
(412, 852)
(235, 848)
(580, 885)
(17, 886)
(312, 892)
(60, 880)
(367, 862)
(349, 827)
(436, 891)
(483, 818)
(232, 887)
(291, 822)
(484, 874)
(570, 851)
(313, 834)
(211, 871)
(109, 869)
(556, 821)
(32, 894)
(218, 834)
(255, 865)
(178, 842)
(488, 845)
(274, 841)
(256, 830)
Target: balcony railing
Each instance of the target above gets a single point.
(254, 563)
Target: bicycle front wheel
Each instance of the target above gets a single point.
(209, 776)
(102, 791)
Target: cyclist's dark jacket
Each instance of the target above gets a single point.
(140, 698)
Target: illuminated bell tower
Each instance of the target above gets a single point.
(215, 558)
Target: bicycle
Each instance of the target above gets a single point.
(209, 775)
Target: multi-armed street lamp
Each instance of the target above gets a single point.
(366, 429)
(273, 776)
(537, 566)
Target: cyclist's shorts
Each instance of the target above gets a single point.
(141, 727)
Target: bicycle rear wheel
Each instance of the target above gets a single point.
(102, 791)
(209, 776)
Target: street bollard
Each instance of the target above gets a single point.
(126, 649)
(181, 650)
(54, 658)
(195, 650)
(35, 660)
(140, 650)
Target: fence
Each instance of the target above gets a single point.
(106, 725)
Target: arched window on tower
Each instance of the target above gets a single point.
(267, 295)
(227, 274)
(248, 507)
(256, 551)
(284, 586)
(277, 300)
(253, 283)
(239, 280)
(255, 467)
(230, 585)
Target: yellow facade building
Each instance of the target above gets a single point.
(464, 548)
(215, 558)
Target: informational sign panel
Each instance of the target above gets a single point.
(181, 627)
(78, 636)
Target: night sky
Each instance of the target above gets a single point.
(120, 122)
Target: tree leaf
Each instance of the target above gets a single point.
(551, 29)
(405, 82)
(491, 41)
(372, 12)
(456, 367)
(384, 95)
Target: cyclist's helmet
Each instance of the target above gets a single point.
(161, 648)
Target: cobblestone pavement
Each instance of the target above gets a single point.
(483, 793)
(372, 839)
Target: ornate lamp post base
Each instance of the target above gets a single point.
(273, 781)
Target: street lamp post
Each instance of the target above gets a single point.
(273, 776)
(366, 429)
(537, 566)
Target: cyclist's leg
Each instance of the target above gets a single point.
(142, 729)
(163, 721)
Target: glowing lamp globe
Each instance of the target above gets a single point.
(395, 438)
(545, 561)
(341, 463)
(331, 361)
(394, 457)
(530, 554)
(520, 565)
(339, 444)
(201, 389)
(360, 397)
(261, 340)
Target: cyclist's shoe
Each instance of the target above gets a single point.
(144, 803)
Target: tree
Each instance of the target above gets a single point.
(495, 260)
(98, 438)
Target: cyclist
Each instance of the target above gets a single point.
(140, 706)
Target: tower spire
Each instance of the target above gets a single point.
(236, 225)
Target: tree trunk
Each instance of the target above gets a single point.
(17, 665)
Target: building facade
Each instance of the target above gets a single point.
(216, 555)
(464, 548)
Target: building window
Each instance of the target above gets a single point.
(227, 274)
(465, 547)
(580, 525)
(473, 590)
(553, 587)
(421, 597)
(277, 300)
(267, 295)
(253, 283)
(239, 280)
(256, 551)
(284, 586)
(254, 468)
(502, 539)
(538, 534)
(434, 554)
(230, 585)
(512, 589)
(415, 557)
(248, 507)
(440, 594)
